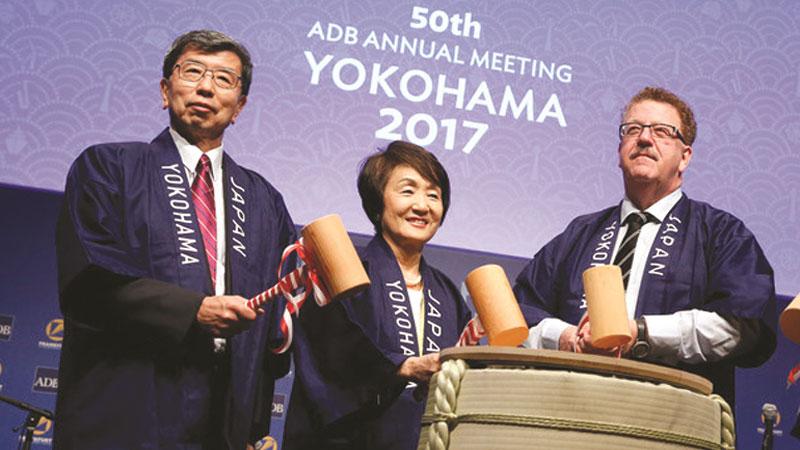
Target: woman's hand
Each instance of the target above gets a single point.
(420, 368)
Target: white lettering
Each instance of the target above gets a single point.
(237, 229)
(379, 79)
(403, 323)
(656, 269)
(458, 92)
(400, 309)
(188, 259)
(432, 346)
(361, 74)
(46, 382)
(172, 178)
(239, 213)
(316, 67)
(660, 253)
(482, 97)
(183, 229)
(433, 312)
(396, 284)
(427, 83)
(187, 244)
(316, 30)
(526, 105)
(372, 40)
(552, 109)
(237, 197)
(177, 203)
(182, 217)
(172, 167)
(233, 182)
(175, 190)
(239, 247)
(406, 337)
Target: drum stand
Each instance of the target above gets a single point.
(35, 414)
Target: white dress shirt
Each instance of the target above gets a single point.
(190, 155)
(692, 336)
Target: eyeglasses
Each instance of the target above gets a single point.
(630, 130)
(194, 71)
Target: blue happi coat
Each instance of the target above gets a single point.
(136, 371)
(702, 258)
(346, 356)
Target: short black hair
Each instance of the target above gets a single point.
(209, 41)
(376, 170)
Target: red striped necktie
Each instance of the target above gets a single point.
(203, 197)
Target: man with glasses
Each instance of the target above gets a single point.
(698, 288)
(159, 245)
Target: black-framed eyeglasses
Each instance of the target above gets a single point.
(194, 71)
(630, 130)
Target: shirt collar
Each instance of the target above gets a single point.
(190, 154)
(659, 209)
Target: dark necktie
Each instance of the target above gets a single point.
(203, 197)
(624, 257)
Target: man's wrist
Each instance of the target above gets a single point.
(641, 347)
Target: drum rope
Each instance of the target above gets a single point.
(447, 384)
(728, 427)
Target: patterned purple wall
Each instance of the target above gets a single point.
(80, 72)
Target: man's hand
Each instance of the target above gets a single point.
(584, 343)
(568, 339)
(420, 368)
(225, 315)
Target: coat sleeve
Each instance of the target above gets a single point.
(741, 285)
(103, 283)
(356, 324)
(536, 286)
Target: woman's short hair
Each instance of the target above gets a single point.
(376, 170)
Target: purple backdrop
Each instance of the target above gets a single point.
(537, 87)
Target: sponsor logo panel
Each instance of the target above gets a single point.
(6, 327)
(45, 380)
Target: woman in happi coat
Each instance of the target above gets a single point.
(362, 364)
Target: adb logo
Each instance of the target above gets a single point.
(54, 330)
(6, 326)
(278, 405)
(45, 380)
